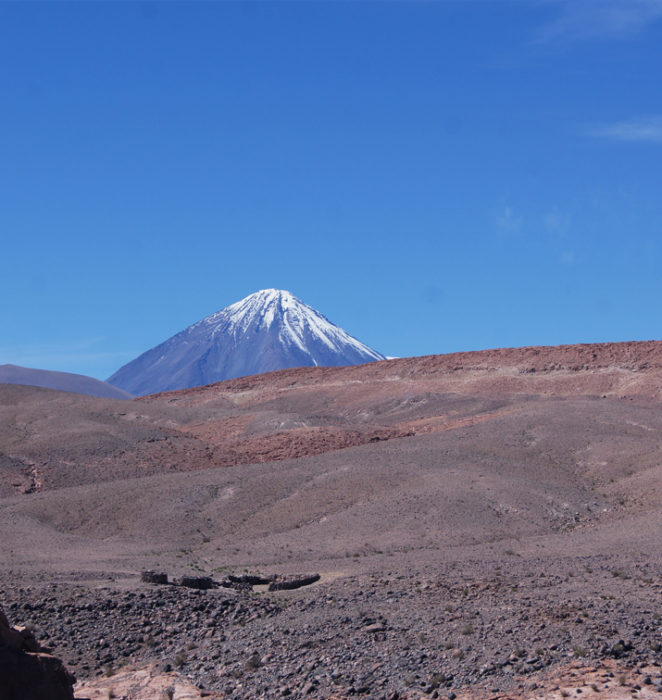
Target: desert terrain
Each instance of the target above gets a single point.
(484, 525)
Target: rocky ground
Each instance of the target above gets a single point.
(489, 627)
(486, 525)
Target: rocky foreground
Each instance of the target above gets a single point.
(481, 627)
(27, 670)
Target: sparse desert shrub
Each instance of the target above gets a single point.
(579, 652)
(109, 671)
(253, 661)
(179, 660)
(467, 629)
(437, 679)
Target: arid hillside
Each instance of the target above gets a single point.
(396, 455)
(50, 440)
(433, 495)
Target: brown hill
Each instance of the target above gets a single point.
(475, 475)
(506, 443)
(61, 381)
(51, 440)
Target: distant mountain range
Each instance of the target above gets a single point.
(62, 381)
(266, 331)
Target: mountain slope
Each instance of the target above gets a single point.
(62, 381)
(266, 331)
(50, 440)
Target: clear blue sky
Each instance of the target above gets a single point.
(432, 176)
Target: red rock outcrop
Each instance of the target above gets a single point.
(27, 672)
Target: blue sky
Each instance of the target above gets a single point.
(432, 176)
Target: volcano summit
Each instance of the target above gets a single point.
(266, 331)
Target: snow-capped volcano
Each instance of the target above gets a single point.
(268, 330)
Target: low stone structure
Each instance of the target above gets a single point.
(290, 582)
(154, 577)
(201, 583)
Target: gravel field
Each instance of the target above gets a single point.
(469, 625)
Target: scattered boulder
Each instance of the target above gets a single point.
(26, 672)
(17, 638)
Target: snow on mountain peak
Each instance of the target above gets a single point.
(270, 329)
